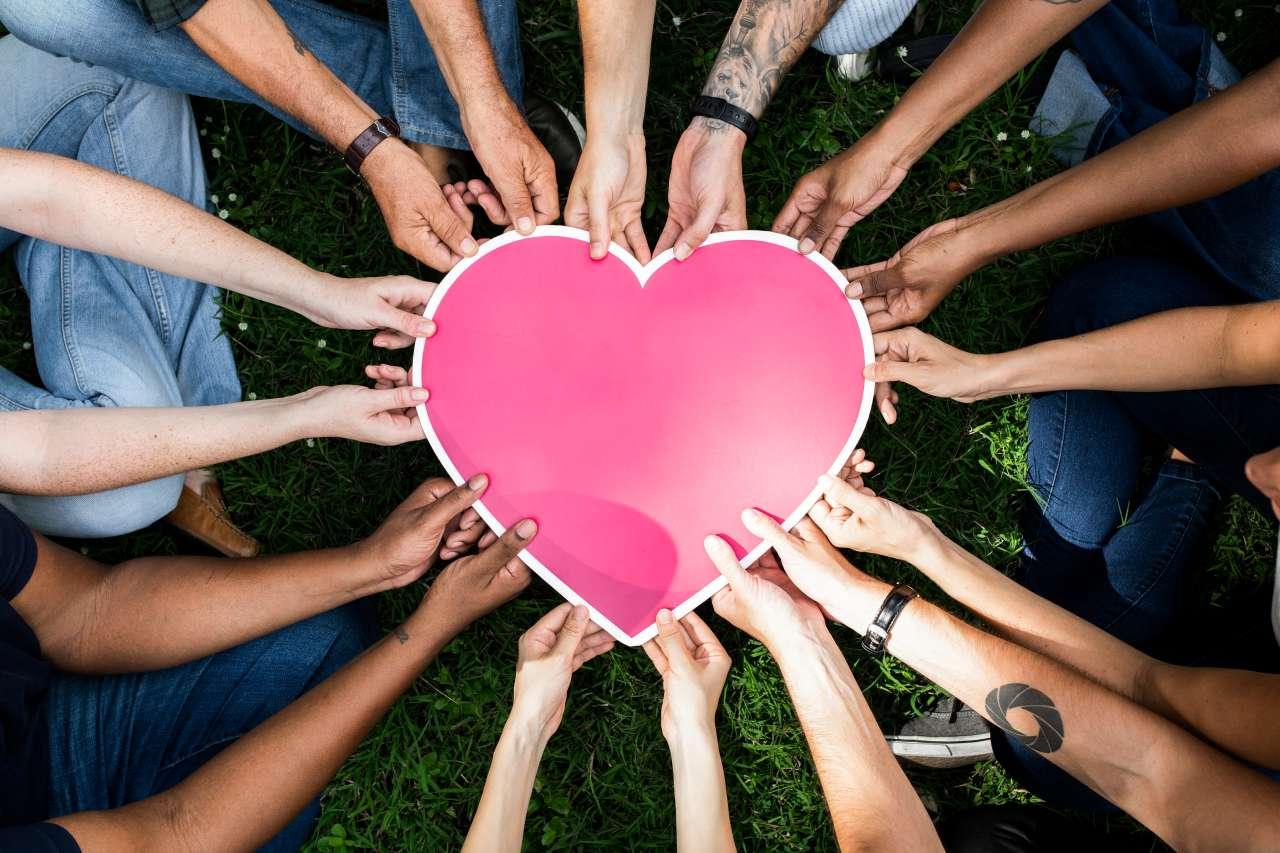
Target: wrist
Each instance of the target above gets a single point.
(719, 134)
(530, 725)
(690, 732)
(860, 601)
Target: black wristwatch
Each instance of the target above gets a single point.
(370, 138)
(719, 108)
(876, 636)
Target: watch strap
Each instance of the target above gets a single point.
(370, 138)
(720, 109)
(876, 637)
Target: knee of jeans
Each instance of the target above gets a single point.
(103, 514)
(327, 641)
(58, 28)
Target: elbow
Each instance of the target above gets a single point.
(170, 826)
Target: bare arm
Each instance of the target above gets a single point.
(154, 612)
(73, 204)
(1182, 789)
(1188, 348)
(294, 754)
(607, 194)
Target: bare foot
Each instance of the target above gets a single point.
(436, 158)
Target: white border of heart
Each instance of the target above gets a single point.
(642, 273)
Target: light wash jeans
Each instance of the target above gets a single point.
(106, 332)
(391, 67)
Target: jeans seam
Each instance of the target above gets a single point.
(65, 286)
(61, 104)
(154, 286)
(397, 71)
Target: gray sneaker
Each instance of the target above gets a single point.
(950, 734)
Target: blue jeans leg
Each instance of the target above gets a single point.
(117, 739)
(107, 332)
(424, 107)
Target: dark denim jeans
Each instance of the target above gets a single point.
(1108, 538)
(118, 739)
(391, 67)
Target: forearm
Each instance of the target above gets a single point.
(155, 612)
(253, 788)
(702, 803)
(1160, 168)
(872, 804)
(1190, 697)
(457, 35)
(250, 40)
(500, 817)
(1184, 349)
(82, 207)
(1000, 39)
(80, 451)
(764, 41)
(616, 79)
(1186, 792)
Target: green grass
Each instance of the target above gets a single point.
(605, 781)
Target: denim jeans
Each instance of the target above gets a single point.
(1107, 539)
(106, 332)
(391, 67)
(117, 739)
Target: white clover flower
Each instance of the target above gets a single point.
(84, 549)
(321, 344)
(1026, 134)
(1239, 13)
(676, 21)
(253, 395)
(223, 213)
(243, 326)
(217, 155)
(1028, 169)
(1221, 36)
(26, 344)
(208, 119)
(311, 442)
(226, 128)
(204, 131)
(1001, 136)
(232, 197)
(214, 198)
(901, 51)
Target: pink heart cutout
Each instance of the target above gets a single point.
(633, 410)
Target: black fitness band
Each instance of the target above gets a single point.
(722, 110)
(876, 636)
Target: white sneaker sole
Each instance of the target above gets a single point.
(941, 752)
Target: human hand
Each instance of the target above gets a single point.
(760, 600)
(607, 195)
(705, 191)
(385, 414)
(550, 653)
(419, 217)
(828, 201)
(404, 546)
(851, 516)
(520, 169)
(908, 286)
(693, 666)
(924, 362)
(392, 305)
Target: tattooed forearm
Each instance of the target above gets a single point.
(764, 41)
(402, 635)
(298, 44)
(1009, 697)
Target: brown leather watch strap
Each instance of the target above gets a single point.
(368, 140)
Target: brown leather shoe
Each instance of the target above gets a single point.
(203, 515)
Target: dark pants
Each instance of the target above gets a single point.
(1115, 532)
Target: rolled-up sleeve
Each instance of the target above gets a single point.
(166, 13)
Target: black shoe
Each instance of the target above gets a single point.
(560, 133)
(950, 734)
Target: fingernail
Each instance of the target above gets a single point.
(597, 251)
(749, 515)
(524, 225)
(711, 543)
(854, 290)
(664, 617)
(683, 251)
(426, 328)
(825, 481)
(806, 246)
(479, 481)
(419, 394)
(579, 614)
(526, 528)
(468, 246)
